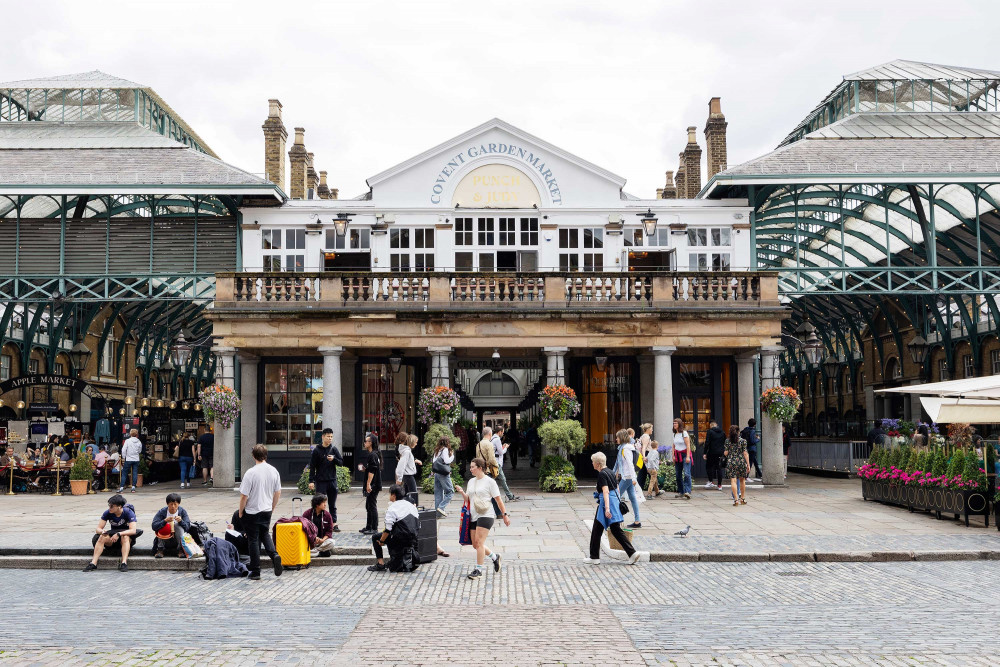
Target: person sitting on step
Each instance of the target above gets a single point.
(323, 521)
(401, 526)
(170, 524)
(116, 532)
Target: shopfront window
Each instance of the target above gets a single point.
(293, 406)
(388, 401)
(606, 401)
(5, 364)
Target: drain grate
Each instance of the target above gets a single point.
(794, 574)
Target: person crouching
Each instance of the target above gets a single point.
(169, 526)
(400, 534)
(323, 521)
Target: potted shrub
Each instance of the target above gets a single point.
(566, 436)
(81, 474)
(431, 438)
(143, 471)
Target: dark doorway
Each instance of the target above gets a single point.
(506, 260)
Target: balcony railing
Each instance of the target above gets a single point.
(393, 290)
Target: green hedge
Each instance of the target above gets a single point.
(559, 483)
(343, 481)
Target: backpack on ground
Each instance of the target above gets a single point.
(200, 532)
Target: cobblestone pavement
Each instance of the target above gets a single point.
(811, 514)
(531, 613)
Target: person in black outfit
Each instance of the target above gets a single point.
(323, 472)
(715, 447)
(372, 469)
(239, 539)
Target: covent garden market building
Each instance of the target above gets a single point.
(136, 267)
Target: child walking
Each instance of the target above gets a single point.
(653, 468)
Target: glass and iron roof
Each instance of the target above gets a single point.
(94, 96)
(903, 86)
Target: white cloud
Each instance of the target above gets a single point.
(374, 83)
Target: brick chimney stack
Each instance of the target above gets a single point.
(692, 164)
(323, 190)
(669, 190)
(715, 137)
(298, 158)
(680, 178)
(275, 136)
(312, 178)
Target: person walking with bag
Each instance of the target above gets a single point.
(625, 469)
(738, 464)
(372, 471)
(750, 435)
(260, 491)
(609, 515)
(441, 462)
(482, 490)
(715, 460)
(682, 460)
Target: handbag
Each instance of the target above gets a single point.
(464, 527)
(622, 507)
(177, 451)
(439, 467)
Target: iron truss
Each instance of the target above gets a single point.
(869, 257)
(47, 310)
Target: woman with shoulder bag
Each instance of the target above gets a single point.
(682, 459)
(737, 463)
(482, 490)
(444, 490)
(609, 516)
(625, 469)
(372, 468)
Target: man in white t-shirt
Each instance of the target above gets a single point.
(131, 455)
(499, 449)
(260, 491)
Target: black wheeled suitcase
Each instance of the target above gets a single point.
(427, 535)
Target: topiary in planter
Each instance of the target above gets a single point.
(939, 467)
(303, 483)
(551, 465)
(83, 468)
(957, 464)
(567, 436)
(666, 478)
(559, 483)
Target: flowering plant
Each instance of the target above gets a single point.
(438, 405)
(781, 403)
(559, 402)
(220, 404)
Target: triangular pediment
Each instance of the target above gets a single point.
(431, 178)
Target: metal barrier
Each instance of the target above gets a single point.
(844, 456)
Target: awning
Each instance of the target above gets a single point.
(983, 387)
(961, 410)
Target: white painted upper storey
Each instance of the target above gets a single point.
(497, 199)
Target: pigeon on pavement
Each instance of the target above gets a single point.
(683, 533)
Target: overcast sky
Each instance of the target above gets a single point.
(375, 83)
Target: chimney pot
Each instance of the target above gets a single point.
(300, 138)
(715, 105)
(274, 109)
(692, 135)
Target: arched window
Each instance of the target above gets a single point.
(893, 371)
(502, 386)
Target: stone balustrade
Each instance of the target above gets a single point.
(446, 290)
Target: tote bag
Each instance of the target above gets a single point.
(464, 532)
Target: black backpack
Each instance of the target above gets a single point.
(200, 532)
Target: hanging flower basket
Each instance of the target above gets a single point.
(781, 403)
(558, 402)
(220, 404)
(439, 405)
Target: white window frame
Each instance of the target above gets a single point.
(6, 364)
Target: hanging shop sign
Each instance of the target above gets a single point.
(66, 382)
(44, 407)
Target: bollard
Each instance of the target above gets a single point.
(10, 489)
(58, 469)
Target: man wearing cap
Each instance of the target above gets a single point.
(323, 472)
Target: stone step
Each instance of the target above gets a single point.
(150, 563)
(140, 550)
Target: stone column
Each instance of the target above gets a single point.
(663, 393)
(333, 414)
(555, 367)
(248, 416)
(770, 442)
(440, 374)
(225, 438)
(746, 396)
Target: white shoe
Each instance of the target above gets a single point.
(709, 485)
(634, 558)
(591, 561)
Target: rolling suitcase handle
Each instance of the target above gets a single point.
(294, 513)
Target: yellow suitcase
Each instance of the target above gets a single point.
(290, 541)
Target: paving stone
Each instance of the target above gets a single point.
(804, 557)
(947, 555)
(734, 557)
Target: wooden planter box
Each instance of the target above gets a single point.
(957, 503)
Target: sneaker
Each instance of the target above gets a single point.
(660, 493)
(634, 558)
(211, 482)
(90, 567)
(441, 513)
(121, 489)
(634, 524)
(377, 567)
(475, 574)
(365, 531)
(276, 562)
(336, 529)
(254, 576)
(123, 567)
(710, 485)
(158, 554)
(687, 496)
(496, 564)
(133, 489)
(205, 483)
(591, 561)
